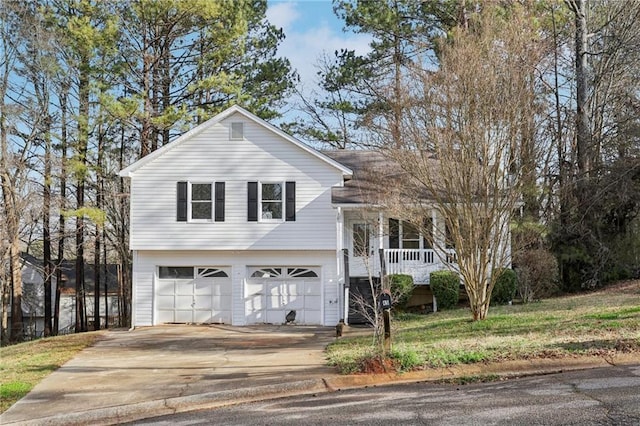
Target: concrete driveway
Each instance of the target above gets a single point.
(129, 373)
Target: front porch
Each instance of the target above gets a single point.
(375, 245)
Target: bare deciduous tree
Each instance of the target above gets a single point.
(462, 135)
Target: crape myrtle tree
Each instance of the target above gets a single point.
(461, 137)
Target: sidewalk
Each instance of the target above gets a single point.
(164, 370)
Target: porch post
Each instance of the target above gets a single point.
(342, 264)
(346, 285)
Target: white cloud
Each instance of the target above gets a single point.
(304, 44)
(282, 14)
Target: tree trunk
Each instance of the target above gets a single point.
(81, 157)
(97, 246)
(63, 197)
(11, 217)
(583, 140)
(46, 233)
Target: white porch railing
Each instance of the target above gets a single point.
(416, 262)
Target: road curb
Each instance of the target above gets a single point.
(168, 406)
(505, 369)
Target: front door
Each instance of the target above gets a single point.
(362, 249)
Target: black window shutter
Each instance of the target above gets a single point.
(252, 202)
(182, 202)
(394, 234)
(290, 207)
(219, 205)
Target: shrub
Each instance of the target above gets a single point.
(505, 287)
(401, 288)
(445, 286)
(537, 272)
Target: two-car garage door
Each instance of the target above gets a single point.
(204, 295)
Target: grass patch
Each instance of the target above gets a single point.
(23, 365)
(599, 323)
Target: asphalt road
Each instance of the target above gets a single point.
(605, 396)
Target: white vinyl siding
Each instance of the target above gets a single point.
(209, 156)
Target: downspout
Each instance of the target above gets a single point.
(133, 291)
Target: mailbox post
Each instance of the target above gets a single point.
(385, 304)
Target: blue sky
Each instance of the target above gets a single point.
(311, 28)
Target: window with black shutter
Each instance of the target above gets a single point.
(219, 204)
(290, 201)
(182, 202)
(252, 201)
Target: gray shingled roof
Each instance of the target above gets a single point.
(368, 168)
(375, 176)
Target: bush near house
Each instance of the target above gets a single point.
(537, 271)
(445, 286)
(401, 288)
(505, 287)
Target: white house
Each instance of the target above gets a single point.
(33, 279)
(237, 222)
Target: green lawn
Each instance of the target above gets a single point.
(23, 365)
(599, 323)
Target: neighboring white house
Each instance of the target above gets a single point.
(237, 222)
(33, 296)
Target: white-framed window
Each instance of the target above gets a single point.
(189, 272)
(271, 201)
(404, 235)
(236, 132)
(201, 201)
(284, 272)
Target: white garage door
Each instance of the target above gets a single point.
(193, 295)
(271, 293)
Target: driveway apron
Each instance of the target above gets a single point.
(156, 363)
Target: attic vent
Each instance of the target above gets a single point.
(237, 131)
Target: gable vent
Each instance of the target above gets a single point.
(237, 131)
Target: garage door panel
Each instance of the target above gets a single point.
(221, 288)
(222, 302)
(313, 301)
(203, 287)
(312, 289)
(275, 317)
(202, 303)
(183, 302)
(166, 316)
(165, 302)
(202, 317)
(184, 288)
(294, 302)
(292, 288)
(312, 317)
(184, 316)
(166, 287)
